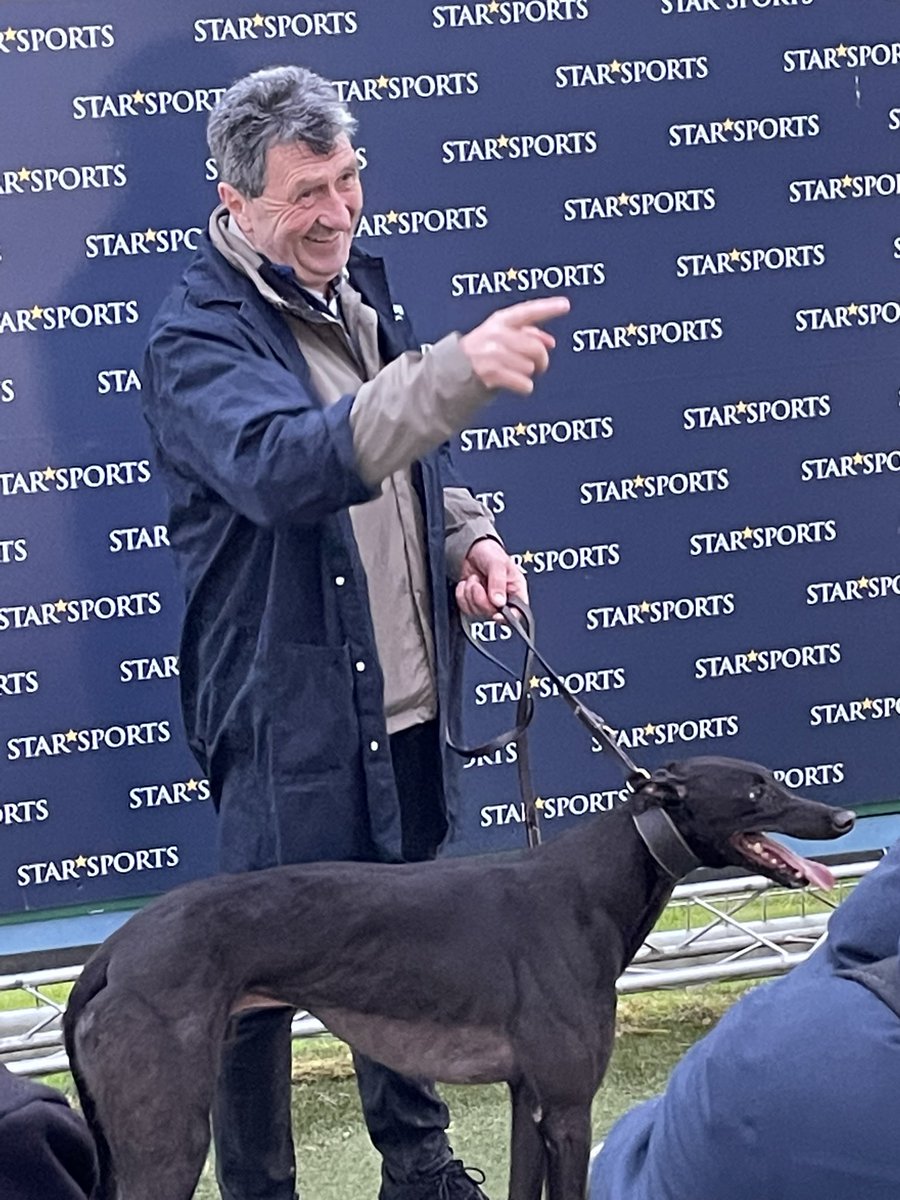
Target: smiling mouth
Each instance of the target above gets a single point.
(796, 871)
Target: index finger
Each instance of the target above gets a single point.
(534, 312)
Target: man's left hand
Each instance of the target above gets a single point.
(489, 576)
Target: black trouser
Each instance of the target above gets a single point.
(406, 1119)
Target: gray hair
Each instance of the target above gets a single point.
(271, 107)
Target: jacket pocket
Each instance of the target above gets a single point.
(306, 696)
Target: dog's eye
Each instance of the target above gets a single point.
(754, 793)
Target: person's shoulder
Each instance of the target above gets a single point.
(17, 1092)
(45, 1147)
(208, 278)
(209, 293)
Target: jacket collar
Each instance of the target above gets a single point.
(213, 281)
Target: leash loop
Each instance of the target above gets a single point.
(592, 721)
(520, 618)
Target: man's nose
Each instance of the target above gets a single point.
(335, 213)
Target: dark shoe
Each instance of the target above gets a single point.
(459, 1182)
(455, 1181)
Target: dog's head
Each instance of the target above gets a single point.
(724, 808)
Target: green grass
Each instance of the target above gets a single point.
(337, 1162)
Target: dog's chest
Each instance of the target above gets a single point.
(446, 1053)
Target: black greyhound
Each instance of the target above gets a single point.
(468, 970)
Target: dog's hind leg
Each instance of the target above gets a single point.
(150, 1081)
(567, 1135)
(527, 1157)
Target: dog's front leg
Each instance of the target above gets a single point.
(527, 1157)
(567, 1137)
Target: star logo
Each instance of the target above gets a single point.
(734, 255)
(138, 96)
(747, 532)
(645, 606)
(842, 50)
(846, 180)
(192, 785)
(728, 124)
(61, 605)
(538, 802)
(494, 6)
(521, 429)
(383, 80)
(623, 198)
(24, 173)
(49, 472)
(615, 66)
(858, 458)
(512, 273)
(752, 656)
(863, 581)
(81, 861)
(503, 140)
(533, 682)
(71, 735)
(741, 406)
(37, 312)
(258, 19)
(867, 703)
(393, 217)
(650, 728)
(853, 309)
(631, 329)
(9, 34)
(150, 234)
(528, 557)
(639, 480)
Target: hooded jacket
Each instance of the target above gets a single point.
(281, 689)
(46, 1151)
(793, 1095)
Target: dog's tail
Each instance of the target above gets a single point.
(91, 982)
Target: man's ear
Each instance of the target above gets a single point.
(235, 203)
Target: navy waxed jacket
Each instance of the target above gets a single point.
(46, 1151)
(794, 1094)
(260, 476)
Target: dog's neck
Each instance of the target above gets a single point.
(640, 887)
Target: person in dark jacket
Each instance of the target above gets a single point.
(319, 530)
(793, 1095)
(46, 1151)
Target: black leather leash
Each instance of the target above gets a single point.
(520, 618)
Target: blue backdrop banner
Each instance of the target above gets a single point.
(702, 491)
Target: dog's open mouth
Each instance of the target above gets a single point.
(777, 860)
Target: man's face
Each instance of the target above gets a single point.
(307, 212)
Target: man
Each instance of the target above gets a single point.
(793, 1096)
(46, 1151)
(317, 524)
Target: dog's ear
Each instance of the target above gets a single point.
(667, 784)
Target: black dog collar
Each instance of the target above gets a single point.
(664, 842)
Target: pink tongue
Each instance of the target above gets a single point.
(816, 873)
